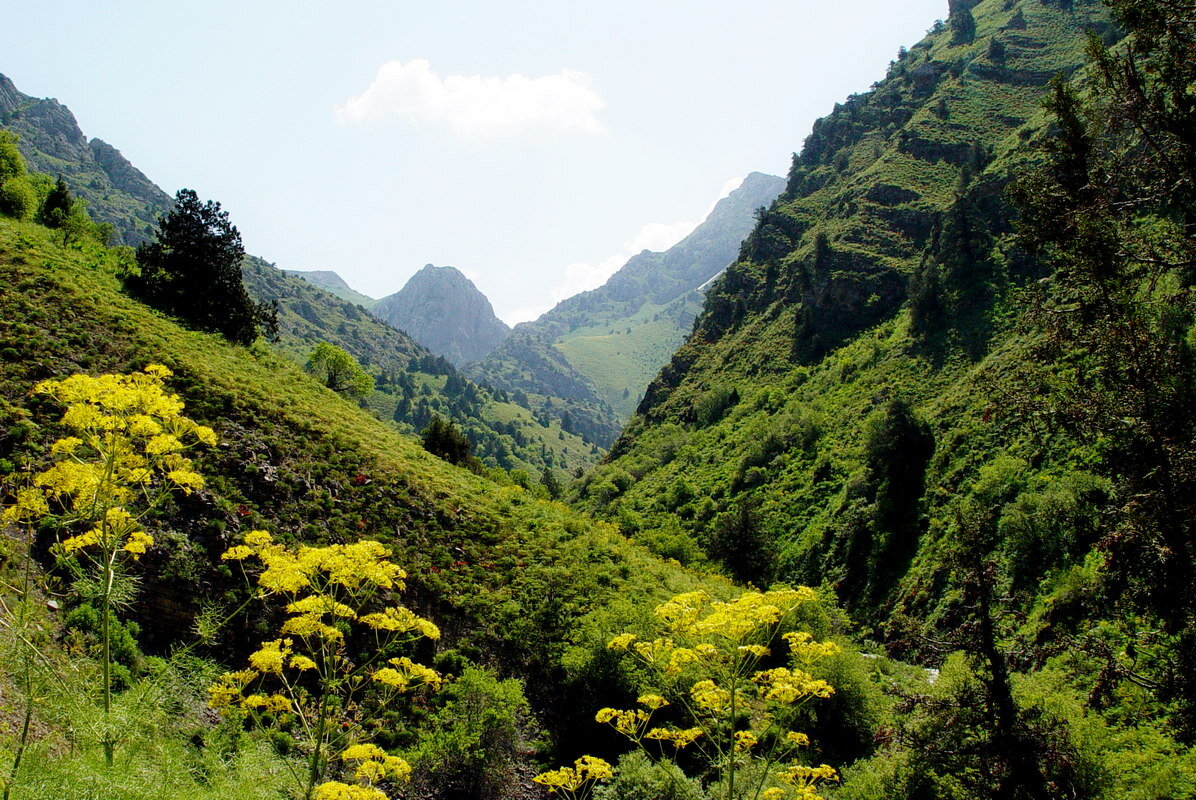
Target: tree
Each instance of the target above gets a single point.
(1114, 215)
(339, 371)
(64, 212)
(11, 163)
(441, 438)
(192, 270)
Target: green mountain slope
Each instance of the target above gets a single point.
(511, 578)
(598, 350)
(764, 405)
(51, 142)
(889, 395)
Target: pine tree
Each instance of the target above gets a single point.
(192, 270)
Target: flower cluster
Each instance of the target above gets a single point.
(713, 654)
(128, 435)
(569, 781)
(328, 593)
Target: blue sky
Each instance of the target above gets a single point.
(534, 145)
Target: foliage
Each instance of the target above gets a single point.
(442, 439)
(1112, 214)
(339, 371)
(472, 746)
(192, 270)
(308, 681)
(12, 164)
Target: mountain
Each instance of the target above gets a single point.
(445, 312)
(412, 384)
(334, 284)
(52, 143)
(873, 298)
(596, 352)
(950, 378)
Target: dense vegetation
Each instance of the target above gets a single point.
(949, 378)
(949, 382)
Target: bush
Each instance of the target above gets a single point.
(638, 778)
(18, 198)
(474, 740)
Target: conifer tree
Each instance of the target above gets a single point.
(192, 270)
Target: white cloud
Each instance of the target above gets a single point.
(660, 236)
(474, 105)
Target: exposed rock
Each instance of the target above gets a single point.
(442, 310)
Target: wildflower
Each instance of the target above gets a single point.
(569, 780)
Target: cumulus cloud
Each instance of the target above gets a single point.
(475, 105)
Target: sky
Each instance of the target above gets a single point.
(533, 144)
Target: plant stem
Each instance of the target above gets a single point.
(317, 750)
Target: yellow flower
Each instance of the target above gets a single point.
(570, 779)
(302, 663)
(66, 445)
(138, 541)
(357, 751)
(622, 641)
(652, 701)
(335, 790)
(271, 657)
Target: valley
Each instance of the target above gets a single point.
(877, 484)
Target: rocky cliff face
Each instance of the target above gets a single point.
(52, 142)
(442, 310)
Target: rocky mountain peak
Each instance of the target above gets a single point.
(446, 313)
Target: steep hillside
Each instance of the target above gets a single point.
(950, 377)
(764, 393)
(598, 350)
(51, 142)
(442, 310)
(511, 578)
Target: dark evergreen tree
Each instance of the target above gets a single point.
(442, 439)
(56, 208)
(192, 270)
(1114, 216)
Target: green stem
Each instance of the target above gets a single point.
(317, 751)
(731, 745)
(28, 665)
(106, 658)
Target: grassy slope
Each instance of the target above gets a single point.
(621, 356)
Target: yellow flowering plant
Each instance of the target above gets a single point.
(575, 782)
(123, 456)
(307, 679)
(715, 660)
